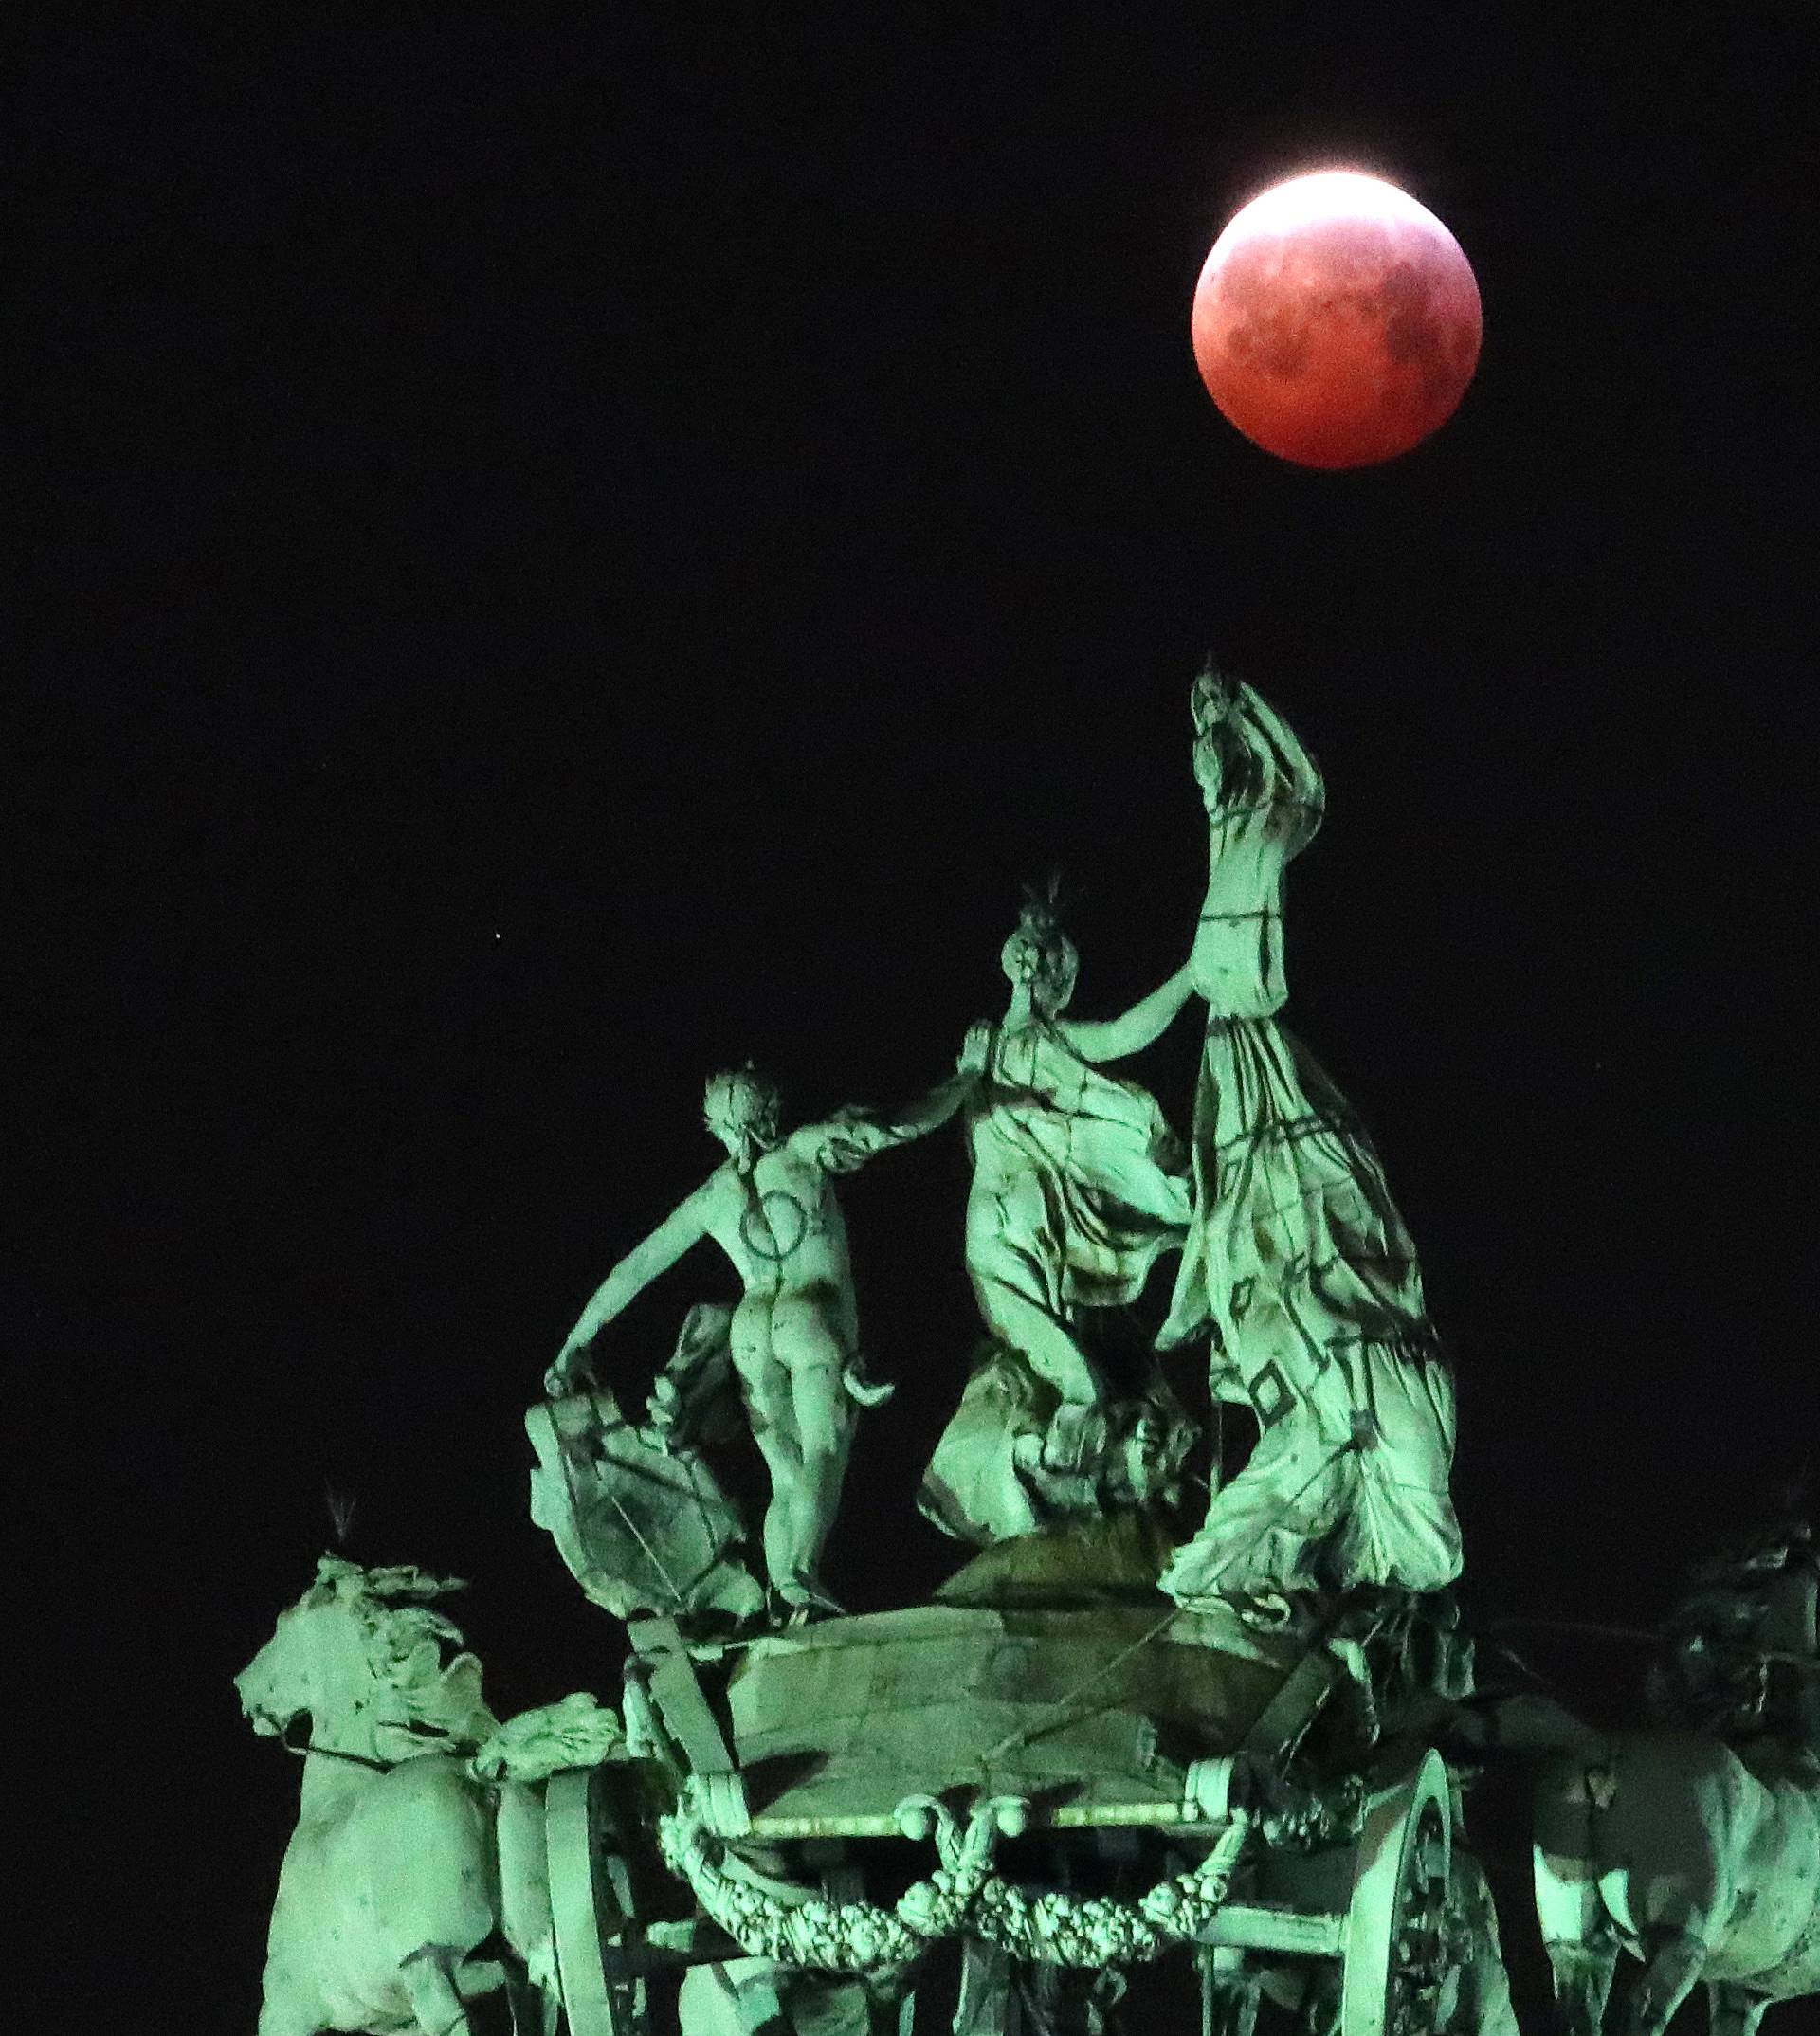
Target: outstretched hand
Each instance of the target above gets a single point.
(853, 1135)
(573, 1371)
(664, 1410)
(976, 1050)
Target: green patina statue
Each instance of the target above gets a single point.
(1693, 1844)
(418, 1878)
(1079, 1187)
(1298, 1265)
(795, 1335)
(1052, 1770)
(1296, 1269)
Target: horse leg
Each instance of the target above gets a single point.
(285, 2011)
(533, 2009)
(1582, 1946)
(1582, 1974)
(1731, 2010)
(1480, 1982)
(1672, 1962)
(430, 1980)
(1071, 2001)
(524, 1907)
(1229, 1986)
(989, 2003)
(737, 1998)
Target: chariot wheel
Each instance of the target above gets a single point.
(1396, 1937)
(591, 1904)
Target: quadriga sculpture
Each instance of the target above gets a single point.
(1298, 1265)
(420, 1832)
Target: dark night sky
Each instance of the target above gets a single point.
(566, 552)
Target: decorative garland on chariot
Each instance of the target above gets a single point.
(776, 1919)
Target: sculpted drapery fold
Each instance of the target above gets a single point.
(1298, 1265)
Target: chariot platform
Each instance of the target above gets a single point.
(1069, 1788)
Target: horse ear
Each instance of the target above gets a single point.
(455, 1701)
(342, 1512)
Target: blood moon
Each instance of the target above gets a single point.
(1336, 323)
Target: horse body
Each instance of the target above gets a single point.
(1671, 1846)
(411, 1885)
(383, 1899)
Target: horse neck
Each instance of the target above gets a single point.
(330, 1785)
(344, 1753)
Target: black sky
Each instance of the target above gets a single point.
(563, 552)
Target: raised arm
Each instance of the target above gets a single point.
(1293, 769)
(685, 1225)
(1246, 754)
(930, 1111)
(844, 1142)
(1112, 1039)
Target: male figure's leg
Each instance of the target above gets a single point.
(770, 1408)
(811, 1353)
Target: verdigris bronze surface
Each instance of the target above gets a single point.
(1115, 1737)
(795, 1333)
(1298, 1265)
(419, 1836)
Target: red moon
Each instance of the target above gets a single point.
(1336, 323)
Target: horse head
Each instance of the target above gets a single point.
(378, 1673)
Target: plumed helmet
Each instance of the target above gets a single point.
(1039, 955)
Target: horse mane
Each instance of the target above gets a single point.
(414, 1653)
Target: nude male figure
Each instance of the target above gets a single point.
(772, 1208)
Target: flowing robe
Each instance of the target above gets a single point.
(1077, 1188)
(1297, 1259)
(1076, 1172)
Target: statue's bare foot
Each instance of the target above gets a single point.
(806, 1598)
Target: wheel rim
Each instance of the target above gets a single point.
(1397, 1956)
(591, 1903)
